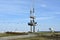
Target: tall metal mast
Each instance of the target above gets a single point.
(32, 22)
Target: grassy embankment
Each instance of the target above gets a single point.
(43, 36)
(12, 34)
(4, 34)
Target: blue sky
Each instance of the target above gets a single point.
(14, 15)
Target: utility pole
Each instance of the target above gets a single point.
(32, 22)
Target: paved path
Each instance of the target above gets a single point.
(15, 37)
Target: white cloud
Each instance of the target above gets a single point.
(43, 5)
(44, 18)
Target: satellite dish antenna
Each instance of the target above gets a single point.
(51, 29)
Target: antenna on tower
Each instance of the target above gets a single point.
(32, 22)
